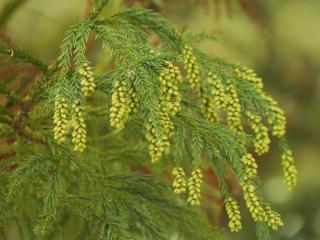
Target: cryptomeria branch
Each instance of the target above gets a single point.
(168, 102)
(24, 56)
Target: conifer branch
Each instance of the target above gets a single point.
(166, 102)
(24, 56)
(98, 5)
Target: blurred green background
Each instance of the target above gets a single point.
(279, 39)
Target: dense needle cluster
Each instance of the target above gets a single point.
(170, 100)
(132, 99)
(179, 184)
(259, 211)
(119, 109)
(60, 119)
(289, 169)
(79, 132)
(276, 117)
(261, 139)
(233, 213)
(252, 200)
(250, 165)
(190, 64)
(208, 108)
(273, 218)
(87, 81)
(167, 126)
(170, 97)
(219, 96)
(249, 75)
(194, 185)
(158, 141)
(233, 108)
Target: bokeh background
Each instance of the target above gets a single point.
(279, 39)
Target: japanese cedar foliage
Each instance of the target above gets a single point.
(168, 104)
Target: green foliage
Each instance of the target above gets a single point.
(23, 55)
(97, 192)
